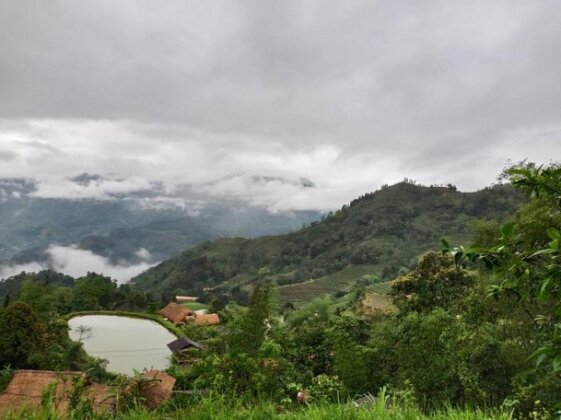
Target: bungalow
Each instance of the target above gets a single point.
(183, 343)
(175, 313)
(179, 314)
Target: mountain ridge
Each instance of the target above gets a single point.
(118, 227)
(381, 232)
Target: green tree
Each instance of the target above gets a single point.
(437, 281)
(21, 334)
(526, 259)
(93, 292)
(251, 330)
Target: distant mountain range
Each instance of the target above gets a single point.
(126, 227)
(378, 234)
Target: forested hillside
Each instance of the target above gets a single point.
(379, 233)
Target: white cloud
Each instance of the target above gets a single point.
(11, 270)
(103, 189)
(350, 95)
(77, 262)
(143, 254)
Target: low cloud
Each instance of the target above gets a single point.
(11, 270)
(78, 262)
(102, 189)
(349, 95)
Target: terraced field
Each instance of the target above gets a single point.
(313, 288)
(380, 288)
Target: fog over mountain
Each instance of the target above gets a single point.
(101, 225)
(129, 114)
(349, 95)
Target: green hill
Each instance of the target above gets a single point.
(378, 233)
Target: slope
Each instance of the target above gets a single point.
(379, 233)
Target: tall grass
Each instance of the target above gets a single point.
(218, 407)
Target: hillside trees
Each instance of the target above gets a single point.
(526, 259)
(93, 292)
(385, 229)
(21, 334)
(436, 282)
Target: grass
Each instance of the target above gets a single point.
(171, 327)
(195, 306)
(304, 292)
(222, 408)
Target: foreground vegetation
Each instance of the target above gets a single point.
(217, 407)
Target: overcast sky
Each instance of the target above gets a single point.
(346, 94)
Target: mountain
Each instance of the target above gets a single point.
(377, 234)
(100, 217)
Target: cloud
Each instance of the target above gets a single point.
(11, 270)
(349, 95)
(103, 189)
(77, 262)
(7, 155)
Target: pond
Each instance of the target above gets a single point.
(127, 343)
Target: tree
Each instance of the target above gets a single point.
(526, 259)
(437, 281)
(21, 334)
(253, 326)
(93, 292)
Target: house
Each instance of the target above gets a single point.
(158, 388)
(201, 320)
(175, 313)
(185, 299)
(26, 388)
(183, 343)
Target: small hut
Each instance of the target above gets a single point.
(26, 388)
(183, 343)
(175, 313)
(159, 387)
(201, 320)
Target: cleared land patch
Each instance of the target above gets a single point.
(332, 283)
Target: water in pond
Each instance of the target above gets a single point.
(127, 343)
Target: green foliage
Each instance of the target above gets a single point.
(93, 292)
(526, 258)
(436, 282)
(249, 333)
(5, 377)
(383, 406)
(22, 334)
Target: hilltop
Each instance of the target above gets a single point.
(378, 235)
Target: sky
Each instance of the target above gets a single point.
(254, 99)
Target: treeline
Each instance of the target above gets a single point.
(50, 291)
